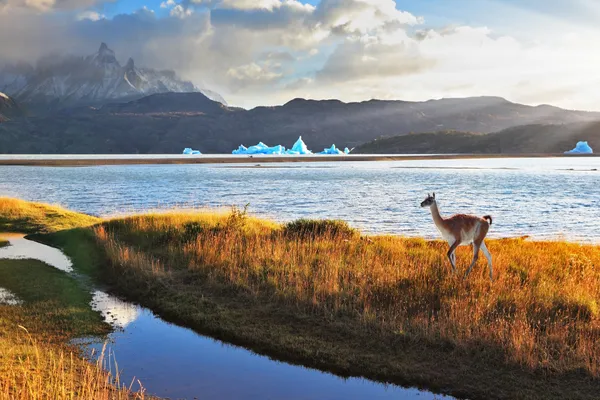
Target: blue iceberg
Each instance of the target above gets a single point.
(298, 148)
(260, 148)
(335, 150)
(332, 150)
(189, 151)
(581, 148)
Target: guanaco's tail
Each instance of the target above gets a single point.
(488, 217)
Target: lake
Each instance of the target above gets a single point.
(545, 198)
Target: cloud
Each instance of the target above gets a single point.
(91, 15)
(280, 56)
(180, 12)
(168, 4)
(372, 57)
(268, 51)
(239, 4)
(47, 5)
(252, 74)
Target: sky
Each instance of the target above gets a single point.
(267, 52)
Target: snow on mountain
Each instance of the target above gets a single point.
(96, 78)
(8, 108)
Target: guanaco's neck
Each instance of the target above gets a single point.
(435, 213)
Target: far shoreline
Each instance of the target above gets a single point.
(57, 160)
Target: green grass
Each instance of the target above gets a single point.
(27, 217)
(52, 299)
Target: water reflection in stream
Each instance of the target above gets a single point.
(177, 363)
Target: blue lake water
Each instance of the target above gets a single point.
(545, 198)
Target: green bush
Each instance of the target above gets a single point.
(315, 228)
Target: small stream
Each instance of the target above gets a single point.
(176, 363)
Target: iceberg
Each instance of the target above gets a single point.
(260, 148)
(335, 150)
(332, 150)
(581, 148)
(297, 149)
(189, 151)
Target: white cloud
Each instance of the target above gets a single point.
(91, 15)
(253, 74)
(350, 49)
(168, 4)
(249, 4)
(180, 12)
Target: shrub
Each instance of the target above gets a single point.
(315, 228)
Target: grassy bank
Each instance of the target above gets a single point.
(383, 307)
(28, 217)
(387, 308)
(36, 359)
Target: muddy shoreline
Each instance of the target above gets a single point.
(91, 160)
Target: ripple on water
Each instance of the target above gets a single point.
(536, 199)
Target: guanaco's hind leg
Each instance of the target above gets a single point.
(489, 259)
(452, 256)
(475, 257)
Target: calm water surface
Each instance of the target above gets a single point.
(546, 198)
(175, 362)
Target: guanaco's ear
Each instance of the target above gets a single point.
(434, 195)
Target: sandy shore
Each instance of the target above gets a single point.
(125, 159)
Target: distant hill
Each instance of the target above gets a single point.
(521, 139)
(8, 108)
(58, 82)
(168, 122)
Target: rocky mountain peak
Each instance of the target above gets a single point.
(96, 79)
(130, 64)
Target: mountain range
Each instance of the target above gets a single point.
(536, 138)
(168, 122)
(93, 104)
(64, 81)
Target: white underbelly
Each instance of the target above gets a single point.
(466, 238)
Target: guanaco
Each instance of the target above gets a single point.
(459, 230)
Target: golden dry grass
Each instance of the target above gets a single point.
(36, 359)
(28, 217)
(34, 369)
(541, 312)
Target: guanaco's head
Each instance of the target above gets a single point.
(429, 200)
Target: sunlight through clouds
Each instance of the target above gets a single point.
(347, 49)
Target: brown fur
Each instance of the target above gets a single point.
(459, 229)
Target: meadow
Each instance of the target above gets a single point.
(319, 293)
(37, 359)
